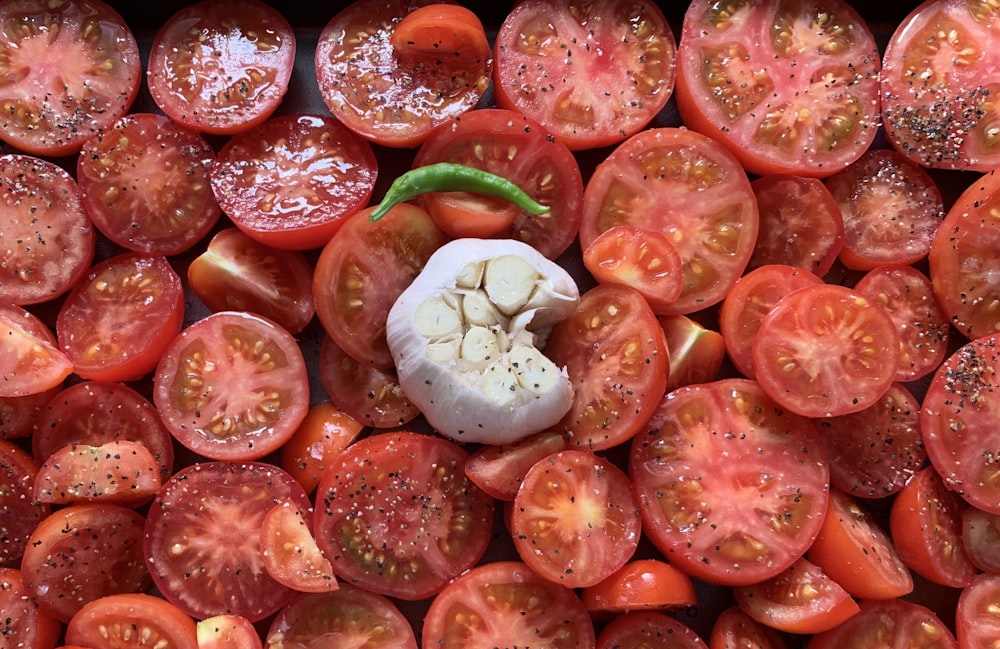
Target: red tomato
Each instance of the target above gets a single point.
(232, 386)
(325, 431)
(438, 33)
(368, 394)
(500, 470)
(363, 269)
(202, 542)
(800, 223)
(689, 187)
(977, 622)
(397, 516)
(132, 621)
(648, 629)
(519, 149)
(748, 303)
(888, 623)
(907, 295)
(959, 425)
(291, 181)
(938, 77)
(290, 553)
(824, 350)
(801, 599)
(30, 362)
(981, 538)
(891, 209)
(91, 74)
(221, 66)
(96, 412)
(729, 508)
(615, 353)
(734, 629)
(227, 632)
(875, 451)
(50, 240)
(789, 87)
(963, 259)
(640, 585)
(925, 523)
(696, 352)
(355, 51)
(118, 320)
(592, 74)
(81, 553)
(646, 260)
(120, 471)
(23, 624)
(575, 520)
(19, 414)
(145, 184)
(854, 551)
(238, 273)
(347, 617)
(21, 512)
(505, 603)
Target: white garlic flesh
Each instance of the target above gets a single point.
(466, 337)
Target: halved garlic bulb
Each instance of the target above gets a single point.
(466, 338)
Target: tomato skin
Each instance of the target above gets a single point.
(782, 104)
(563, 65)
(648, 629)
(976, 621)
(23, 624)
(689, 187)
(136, 620)
(91, 55)
(117, 321)
(888, 623)
(696, 352)
(232, 386)
(615, 353)
(707, 502)
(200, 63)
(371, 492)
(21, 512)
(640, 585)
(41, 203)
(323, 434)
(292, 181)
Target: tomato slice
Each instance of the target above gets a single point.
(399, 108)
(824, 350)
(615, 353)
(958, 422)
(44, 218)
(976, 620)
(30, 362)
(145, 184)
(888, 623)
(592, 74)
(789, 87)
(203, 533)
(937, 79)
(646, 260)
(500, 470)
(856, 552)
(18, 415)
(221, 66)
(21, 512)
(876, 451)
(347, 617)
(90, 78)
(232, 386)
(519, 149)
(120, 471)
(118, 320)
(724, 507)
(801, 599)
(575, 520)
(291, 181)
(227, 632)
(800, 223)
(290, 553)
(648, 628)
(696, 352)
(734, 628)
(640, 585)
(689, 187)
(981, 538)
(399, 517)
(363, 269)
(23, 624)
(891, 209)
(81, 553)
(131, 621)
(325, 431)
(505, 603)
(907, 295)
(238, 273)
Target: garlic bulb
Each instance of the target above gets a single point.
(465, 337)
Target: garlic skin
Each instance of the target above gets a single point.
(465, 337)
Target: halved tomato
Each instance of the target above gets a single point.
(132, 621)
(119, 471)
(227, 632)
(325, 431)
(23, 624)
(500, 470)
(646, 260)
(30, 361)
(21, 512)
(648, 628)
(640, 585)
(888, 623)
(976, 620)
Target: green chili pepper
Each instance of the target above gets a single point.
(451, 177)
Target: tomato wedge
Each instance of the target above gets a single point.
(30, 363)
(290, 553)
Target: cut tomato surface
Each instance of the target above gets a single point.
(132, 621)
(22, 513)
